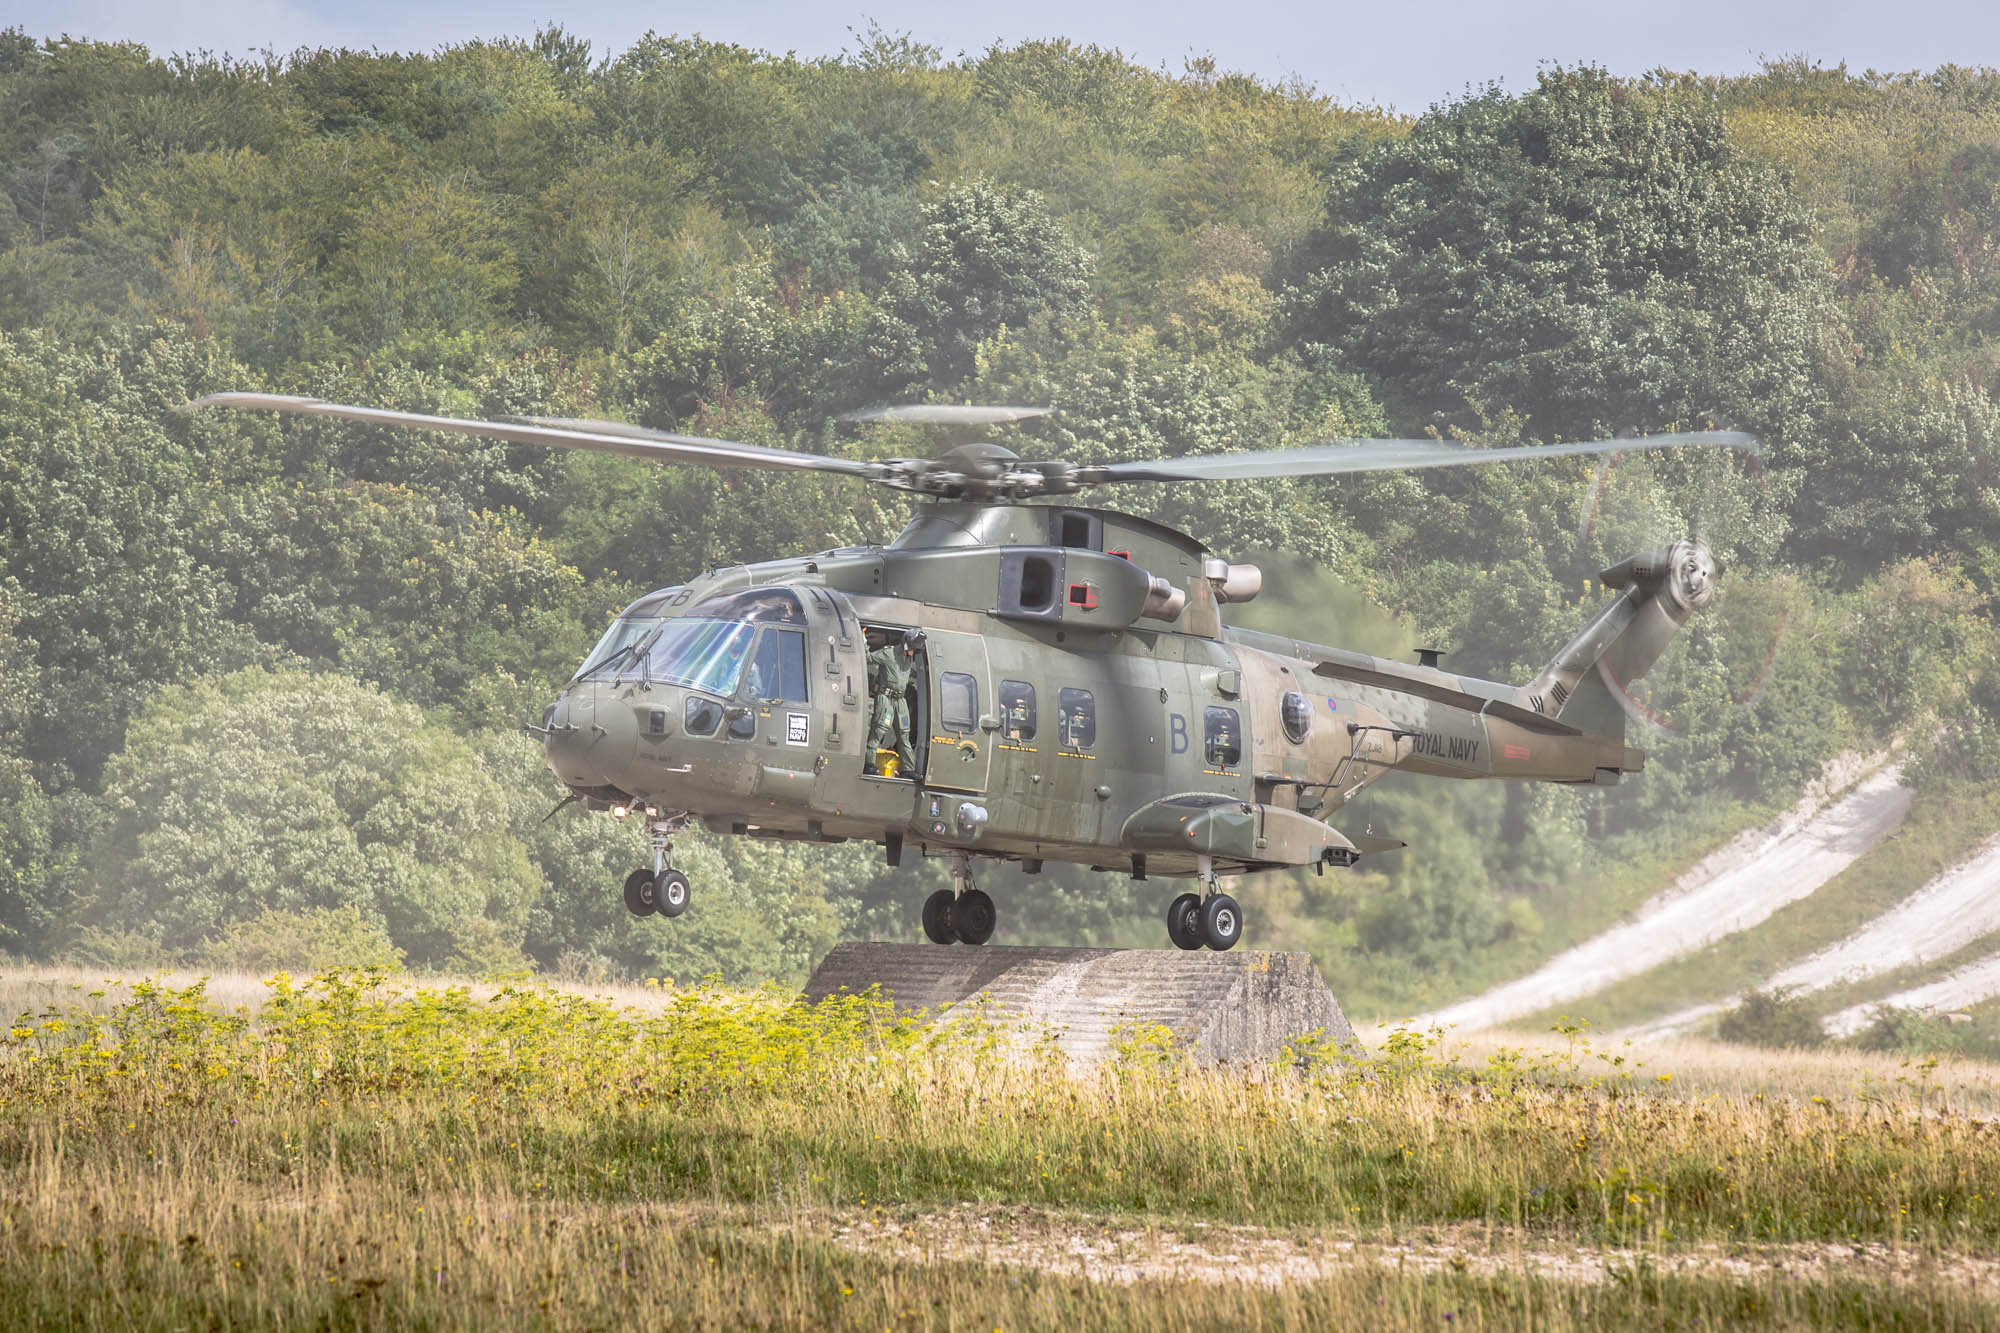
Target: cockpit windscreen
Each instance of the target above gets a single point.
(616, 646)
(699, 653)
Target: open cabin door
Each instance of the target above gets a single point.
(961, 700)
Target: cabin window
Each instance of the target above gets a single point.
(1296, 713)
(1017, 710)
(958, 701)
(702, 717)
(1222, 735)
(1076, 715)
(779, 669)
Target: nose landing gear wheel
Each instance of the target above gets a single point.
(671, 891)
(973, 917)
(1184, 921)
(937, 918)
(1221, 922)
(639, 896)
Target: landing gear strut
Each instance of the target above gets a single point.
(1209, 918)
(662, 889)
(960, 914)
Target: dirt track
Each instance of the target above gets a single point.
(1944, 916)
(1730, 890)
(1115, 1250)
(1966, 985)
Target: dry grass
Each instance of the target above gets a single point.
(354, 1157)
(107, 1252)
(1702, 1068)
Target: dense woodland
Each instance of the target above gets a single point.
(261, 679)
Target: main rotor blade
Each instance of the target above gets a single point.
(599, 436)
(1318, 460)
(947, 414)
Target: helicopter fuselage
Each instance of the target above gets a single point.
(1076, 697)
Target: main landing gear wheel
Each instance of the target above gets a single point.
(937, 918)
(973, 917)
(966, 918)
(639, 895)
(1184, 921)
(670, 891)
(1221, 922)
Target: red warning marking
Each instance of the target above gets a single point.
(1515, 751)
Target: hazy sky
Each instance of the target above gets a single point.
(1406, 56)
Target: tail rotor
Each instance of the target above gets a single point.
(1690, 520)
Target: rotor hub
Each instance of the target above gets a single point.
(1691, 573)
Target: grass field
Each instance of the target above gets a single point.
(351, 1154)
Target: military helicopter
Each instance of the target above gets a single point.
(1071, 691)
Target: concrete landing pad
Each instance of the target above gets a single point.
(1241, 1007)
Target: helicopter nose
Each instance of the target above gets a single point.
(590, 741)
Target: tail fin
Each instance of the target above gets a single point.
(1586, 679)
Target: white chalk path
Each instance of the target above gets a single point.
(1730, 890)
(1942, 917)
(1968, 985)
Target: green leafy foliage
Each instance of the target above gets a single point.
(989, 258)
(1591, 255)
(1772, 1018)
(278, 790)
(107, 515)
(1915, 1032)
(408, 591)
(29, 901)
(308, 941)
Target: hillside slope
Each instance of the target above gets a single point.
(1944, 916)
(1731, 890)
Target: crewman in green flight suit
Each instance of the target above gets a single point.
(889, 670)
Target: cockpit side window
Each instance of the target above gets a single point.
(701, 716)
(779, 669)
(709, 648)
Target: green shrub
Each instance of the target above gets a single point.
(309, 941)
(1919, 1033)
(117, 950)
(1780, 1017)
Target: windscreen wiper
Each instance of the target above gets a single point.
(615, 655)
(640, 648)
